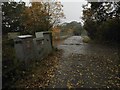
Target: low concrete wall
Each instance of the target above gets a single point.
(28, 48)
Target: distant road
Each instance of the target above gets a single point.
(75, 40)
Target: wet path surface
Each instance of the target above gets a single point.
(86, 66)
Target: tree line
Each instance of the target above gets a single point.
(74, 27)
(102, 21)
(38, 16)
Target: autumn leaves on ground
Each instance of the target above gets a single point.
(41, 74)
(70, 67)
(74, 64)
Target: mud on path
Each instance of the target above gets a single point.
(86, 66)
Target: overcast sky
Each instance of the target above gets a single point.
(72, 10)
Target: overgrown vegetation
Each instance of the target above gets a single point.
(73, 28)
(14, 70)
(17, 17)
(41, 72)
(86, 39)
(101, 21)
(38, 16)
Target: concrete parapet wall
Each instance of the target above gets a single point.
(28, 48)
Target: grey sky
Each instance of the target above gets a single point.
(73, 11)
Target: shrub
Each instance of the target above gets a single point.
(85, 39)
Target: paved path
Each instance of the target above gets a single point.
(86, 65)
(74, 40)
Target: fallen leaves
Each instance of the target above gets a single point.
(69, 84)
(80, 74)
(42, 73)
(101, 71)
(77, 71)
